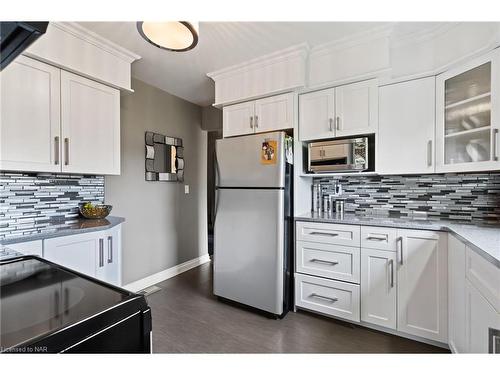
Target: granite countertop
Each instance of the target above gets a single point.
(482, 237)
(62, 228)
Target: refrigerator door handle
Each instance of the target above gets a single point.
(217, 179)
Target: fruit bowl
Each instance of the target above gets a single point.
(95, 211)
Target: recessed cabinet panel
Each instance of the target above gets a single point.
(90, 115)
(30, 123)
(356, 107)
(378, 287)
(274, 113)
(238, 119)
(422, 284)
(406, 127)
(317, 115)
(468, 116)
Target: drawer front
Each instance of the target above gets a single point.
(379, 238)
(331, 261)
(484, 276)
(334, 298)
(337, 234)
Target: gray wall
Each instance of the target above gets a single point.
(164, 227)
(211, 118)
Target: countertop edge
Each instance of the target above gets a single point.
(438, 227)
(113, 221)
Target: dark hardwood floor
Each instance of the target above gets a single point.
(187, 318)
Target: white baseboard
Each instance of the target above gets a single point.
(166, 274)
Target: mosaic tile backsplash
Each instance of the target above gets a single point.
(450, 196)
(32, 201)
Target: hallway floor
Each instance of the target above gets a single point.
(187, 318)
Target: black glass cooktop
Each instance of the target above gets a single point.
(38, 298)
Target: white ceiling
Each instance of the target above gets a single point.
(221, 44)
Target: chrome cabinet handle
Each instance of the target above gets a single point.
(110, 249)
(391, 273)
(400, 242)
(324, 234)
(493, 346)
(330, 124)
(101, 252)
(66, 151)
(66, 301)
(314, 295)
(56, 304)
(495, 145)
(256, 121)
(337, 122)
(251, 122)
(375, 238)
(429, 153)
(324, 261)
(56, 150)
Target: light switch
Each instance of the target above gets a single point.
(186, 189)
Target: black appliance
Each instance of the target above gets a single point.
(15, 37)
(47, 308)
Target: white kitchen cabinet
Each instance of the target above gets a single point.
(422, 284)
(109, 258)
(468, 116)
(317, 115)
(378, 287)
(274, 113)
(356, 108)
(30, 122)
(90, 119)
(28, 248)
(456, 295)
(258, 116)
(406, 127)
(480, 317)
(96, 254)
(237, 119)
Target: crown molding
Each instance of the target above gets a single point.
(88, 36)
(299, 50)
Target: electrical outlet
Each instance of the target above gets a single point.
(186, 189)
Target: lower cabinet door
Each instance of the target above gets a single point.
(77, 252)
(456, 295)
(422, 284)
(109, 256)
(378, 287)
(480, 317)
(334, 298)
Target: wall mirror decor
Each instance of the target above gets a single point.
(164, 158)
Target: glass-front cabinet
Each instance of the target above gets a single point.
(468, 116)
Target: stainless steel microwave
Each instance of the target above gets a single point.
(343, 155)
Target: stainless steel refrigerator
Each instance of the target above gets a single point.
(254, 222)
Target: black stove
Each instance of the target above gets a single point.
(48, 308)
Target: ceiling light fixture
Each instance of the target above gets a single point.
(177, 36)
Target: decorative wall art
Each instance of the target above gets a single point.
(164, 158)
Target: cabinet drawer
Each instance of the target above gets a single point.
(325, 260)
(484, 276)
(379, 238)
(334, 298)
(337, 234)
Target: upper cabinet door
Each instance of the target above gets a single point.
(238, 119)
(422, 284)
(90, 114)
(274, 113)
(356, 107)
(317, 115)
(30, 123)
(406, 124)
(468, 116)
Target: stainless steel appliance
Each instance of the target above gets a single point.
(254, 222)
(343, 155)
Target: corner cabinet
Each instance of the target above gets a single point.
(56, 121)
(341, 111)
(258, 116)
(468, 116)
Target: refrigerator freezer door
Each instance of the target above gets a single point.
(249, 248)
(241, 163)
